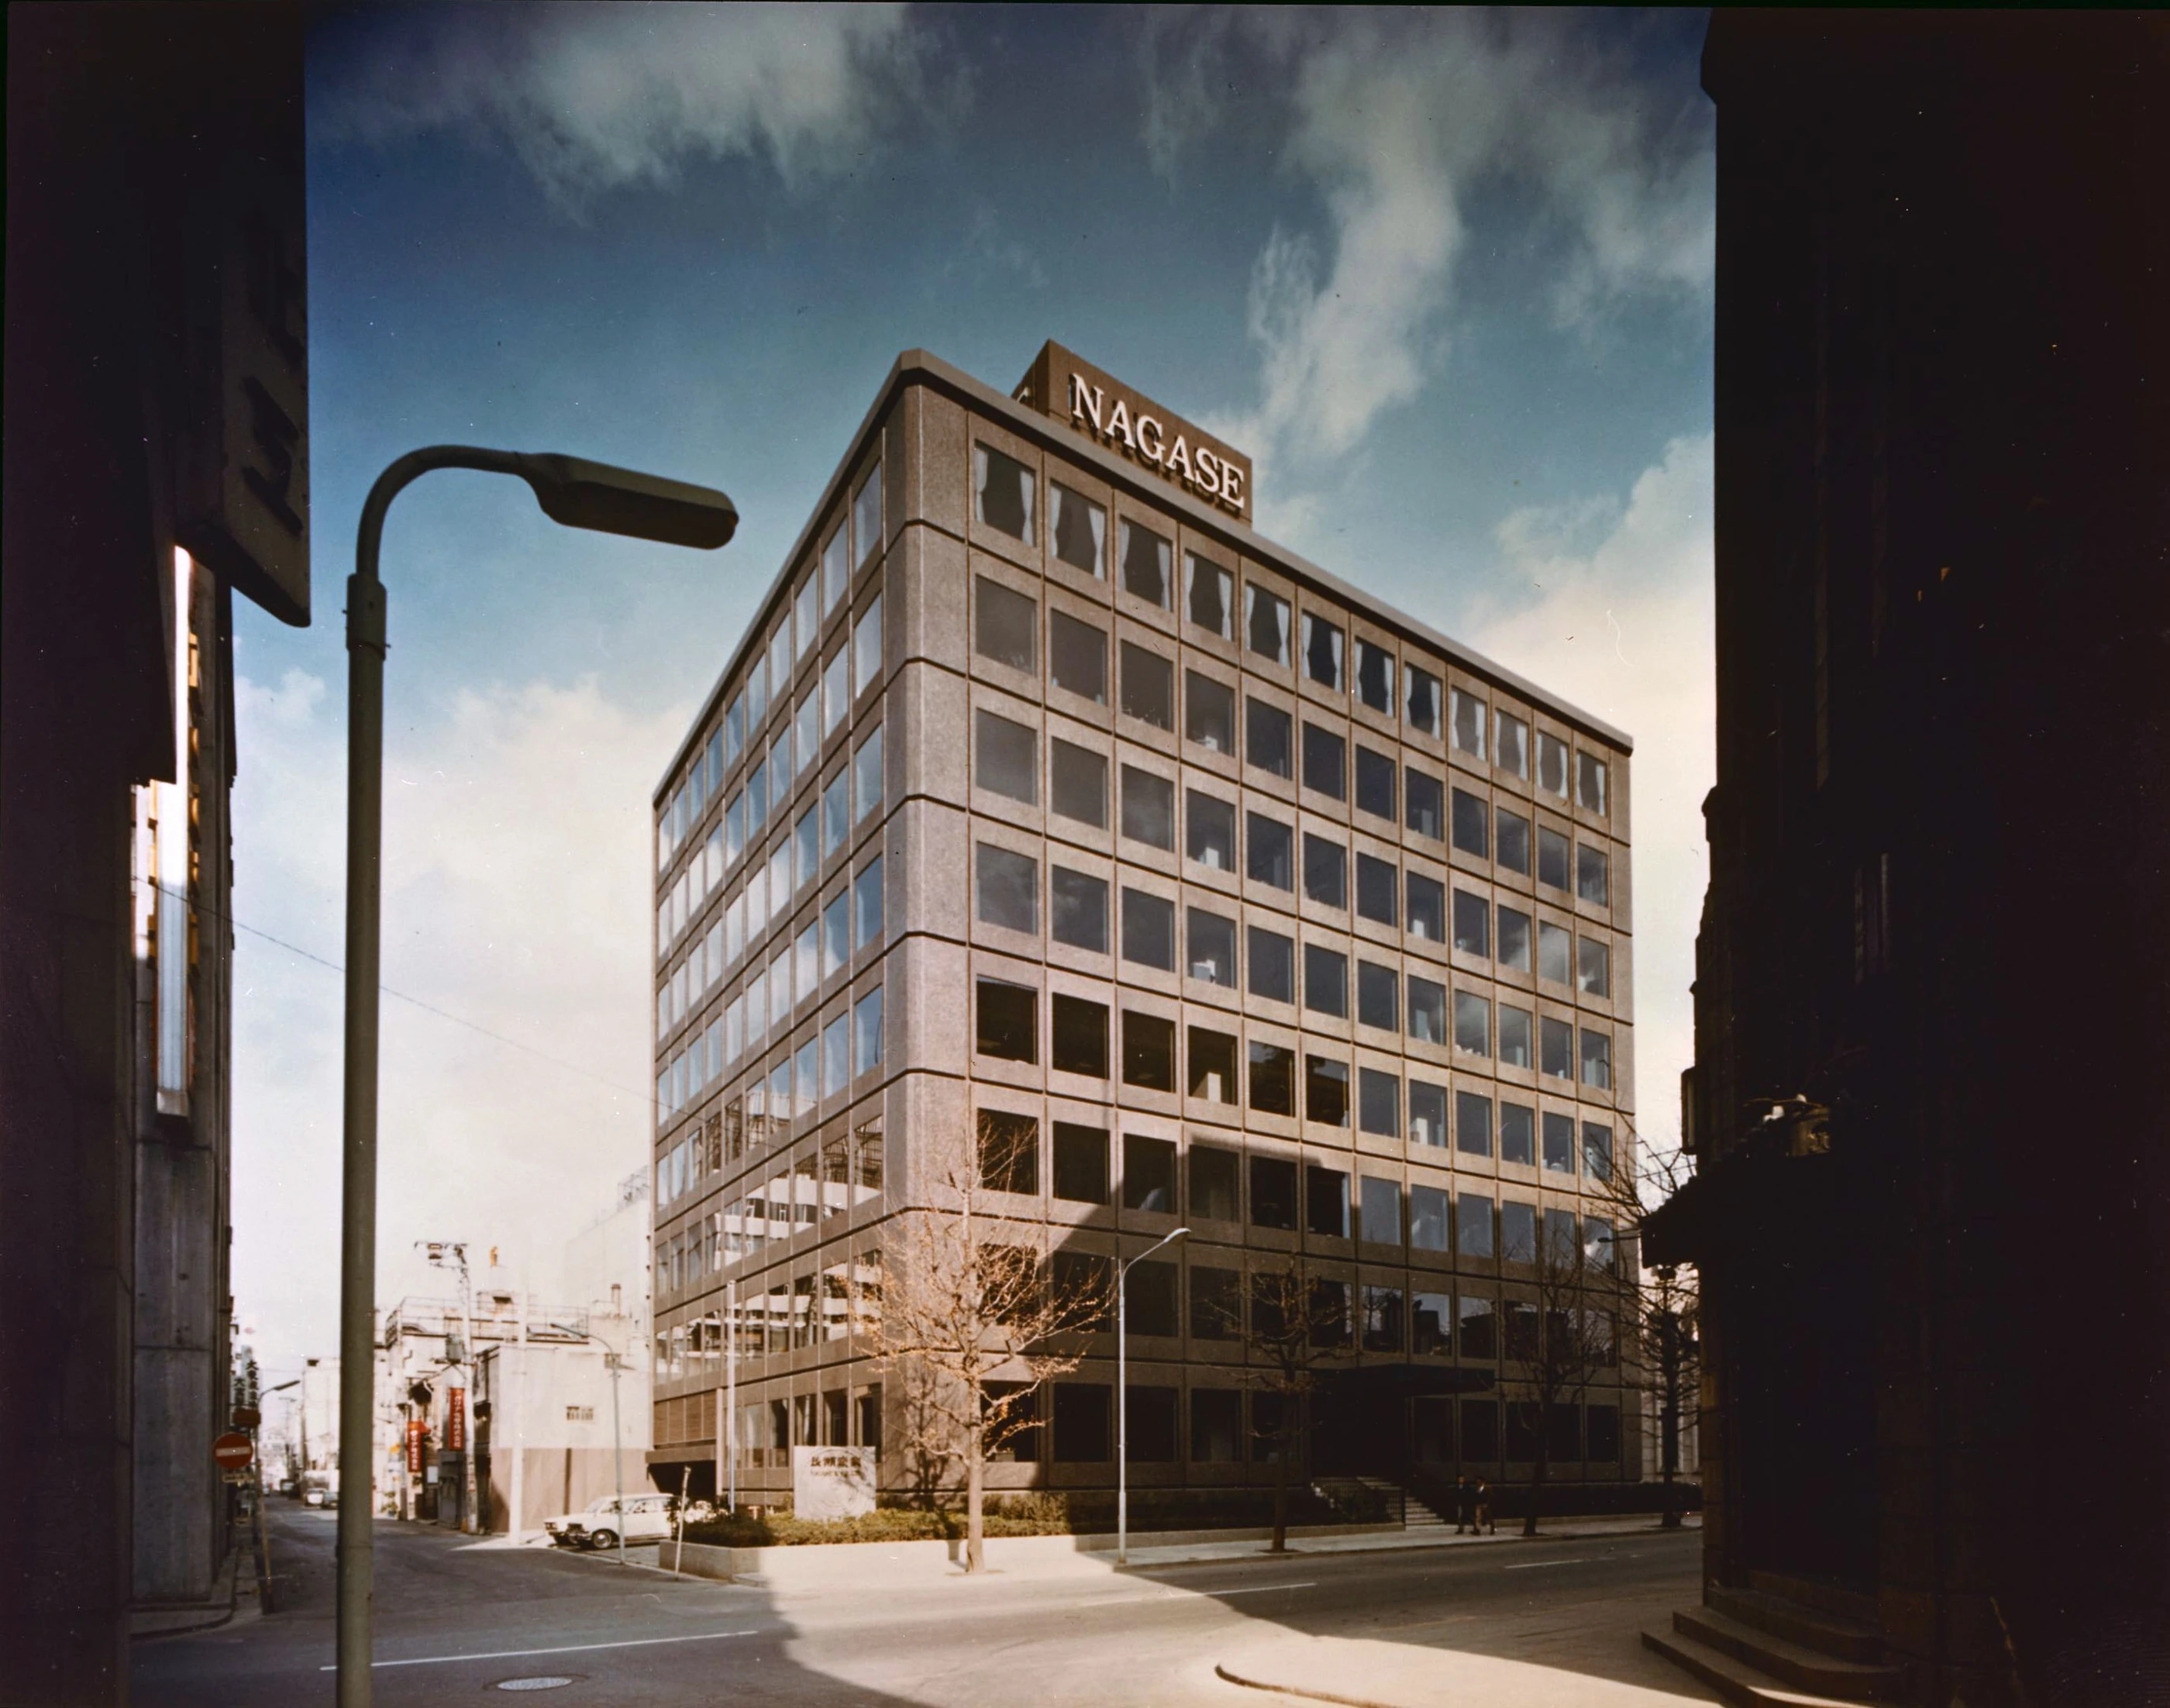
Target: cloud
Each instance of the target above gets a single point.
(595, 98)
(516, 897)
(1624, 627)
(1398, 121)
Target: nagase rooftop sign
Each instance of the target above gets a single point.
(1108, 412)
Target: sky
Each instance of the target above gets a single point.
(1446, 275)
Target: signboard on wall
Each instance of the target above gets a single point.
(832, 1483)
(456, 1420)
(416, 1430)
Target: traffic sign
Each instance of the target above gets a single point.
(233, 1452)
(246, 1416)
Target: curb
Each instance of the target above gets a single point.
(232, 1570)
(1224, 1674)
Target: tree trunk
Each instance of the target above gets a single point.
(1280, 1496)
(975, 1488)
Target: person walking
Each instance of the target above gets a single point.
(1465, 1504)
(1483, 1523)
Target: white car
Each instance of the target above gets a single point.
(638, 1518)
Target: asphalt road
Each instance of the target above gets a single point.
(454, 1619)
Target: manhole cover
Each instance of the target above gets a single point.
(551, 1683)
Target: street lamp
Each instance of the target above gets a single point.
(581, 494)
(1123, 1398)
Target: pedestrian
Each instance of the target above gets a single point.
(1483, 1523)
(1465, 1504)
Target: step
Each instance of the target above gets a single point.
(1815, 1592)
(1787, 1661)
(1739, 1684)
(1812, 1627)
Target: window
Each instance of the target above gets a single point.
(1081, 1422)
(1326, 1202)
(1009, 889)
(1375, 784)
(1001, 492)
(1269, 851)
(1148, 809)
(1596, 1059)
(1511, 747)
(1269, 735)
(1600, 1242)
(1514, 842)
(1427, 1114)
(836, 934)
(1590, 784)
(1555, 1049)
(1009, 1151)
(1322, 652)
(1077, 1043)
(1325, 1091)
(1216, 1415)
(1472, 924)
(1428, 1218)
(1559, 1143)
(1379, 1213)
(1209, 941)
(734, 823)
(1209, 596)
(1594, 967)
(1325, 762)
(1551, 765)
(1273, 1080)
(1145, 556)
(1514, 1044)
(1273, 1193)
(867, 517)
(1212, 1065)
(1472, 1123)
(1150, 1304)
(1008, 1021)
(1592, 875)
(1080, 530)
(1266, 624)
(1423, 799)
(1325, 981)
(1080, 1159)
(1213, 1197)
(1473, 1236)
(1514, 939)
(1422, 701)
(1377, 994)
(1325, 872)
(1008, 764)
(1209, 712)
(1008, 625)
(1375, 676)
(1552, 944)
(1077, 657)
(1552, 858)
(1597, 1150)
(835, 813)
(1467, 713)
(1604, 1425)
(1376, 885)
(1518, 1235)
(1379, 1104)
(1273, 966)
(808, 739)
(867, 896)
(1209, 830)
(1077, 909)
(836, 692)
(867, 646)
(1077, 782)
(867, 1031)
(1518, 1134)
(1427, 898)
(1148, 930)
(1148, 1168)
(1148, 1053)
(1471, 833)
(756, 796)
(1148, 686)
(867, 774)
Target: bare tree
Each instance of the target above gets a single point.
(972, 1321)
(1298, 1321)
(1559, 1338)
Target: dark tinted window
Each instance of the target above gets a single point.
(1324, 762)
(1008, 1021)
(1077, 657)
(1272, 965)
(1148, 686)
(1148, 809)
(1376, 882)
(1269, 734)
(1375, 783)
(1148, 1172)
(1325, 872)
(1077, 909)
(1077, 782)
(1269, 851)
(1273, 1080)
(1422, 796)
(1081, 1163)
(1077, 1043)
(1148, 1053)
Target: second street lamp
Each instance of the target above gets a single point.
(1123, 1398)
(579, 494)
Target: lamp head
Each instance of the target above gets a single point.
(611, 501)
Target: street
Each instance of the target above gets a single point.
(1550, 1621)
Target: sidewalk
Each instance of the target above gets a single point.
(233, 1586)
(1383, 1541)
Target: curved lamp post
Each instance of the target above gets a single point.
(1123, 1399)
(581, 494)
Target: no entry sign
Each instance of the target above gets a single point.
(233, 1452)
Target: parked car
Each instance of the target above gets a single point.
(638, 1518)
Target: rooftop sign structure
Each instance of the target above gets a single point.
(1110, 413)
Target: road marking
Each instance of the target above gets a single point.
(1539, 1564)
(1260, 1589)
(565, 1649)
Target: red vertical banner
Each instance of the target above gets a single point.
(456, 1420)
(416, 1429)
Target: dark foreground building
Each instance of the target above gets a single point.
(1933, 1216)
(157, 466)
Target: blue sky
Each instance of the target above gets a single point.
(1447, 276)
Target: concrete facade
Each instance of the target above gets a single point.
(1104, 817)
